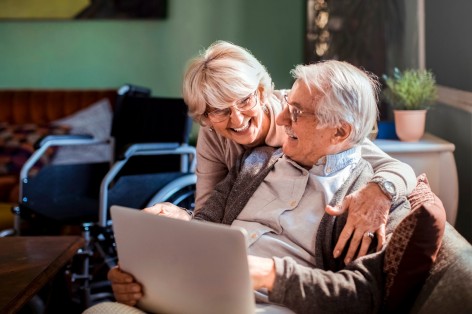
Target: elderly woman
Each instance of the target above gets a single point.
(230, 93)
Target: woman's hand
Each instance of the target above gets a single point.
(169, 210)
(368, 212)
(125, 289)
(262, 272)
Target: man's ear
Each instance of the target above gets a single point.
(342, 132)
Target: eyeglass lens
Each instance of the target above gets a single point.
(294, 112)
(246, 104)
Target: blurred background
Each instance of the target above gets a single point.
(61, 52)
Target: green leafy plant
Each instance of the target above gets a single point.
(410, 90)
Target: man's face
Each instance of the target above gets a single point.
(306, 142)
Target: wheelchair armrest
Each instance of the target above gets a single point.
(148, 149)
(156, 149)
(56, 140)
(63, 140)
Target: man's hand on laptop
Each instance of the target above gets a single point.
(169, 210)
(262, 272)
(125, 289)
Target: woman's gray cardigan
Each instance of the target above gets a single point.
(329, 287)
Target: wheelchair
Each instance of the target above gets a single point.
(152, 162)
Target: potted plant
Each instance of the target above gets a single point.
(411, 94)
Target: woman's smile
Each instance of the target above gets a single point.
(243, 128)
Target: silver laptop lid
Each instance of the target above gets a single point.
(184, 267)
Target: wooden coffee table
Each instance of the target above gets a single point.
(27, 264)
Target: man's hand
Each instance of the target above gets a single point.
(125, 289)
(262, 272)
(368, 212)
(169, 210)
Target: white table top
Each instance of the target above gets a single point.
(429, 143)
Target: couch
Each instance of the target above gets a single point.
(448, 288)
(428, 264)
(27, 114)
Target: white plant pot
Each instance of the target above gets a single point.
(410, 124)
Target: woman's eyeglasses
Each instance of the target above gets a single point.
(246, 104)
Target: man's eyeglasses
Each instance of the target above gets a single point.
(295, 113)
(245, 104)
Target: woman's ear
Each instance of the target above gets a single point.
(261, 94)
(205, 121)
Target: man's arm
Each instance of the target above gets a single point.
(356, 289)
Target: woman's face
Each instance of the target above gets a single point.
(243, 121)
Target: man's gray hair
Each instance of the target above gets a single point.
(348, 95)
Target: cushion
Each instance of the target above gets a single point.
(94, 120)
(413, 248)
(112, 307)
(16, 146)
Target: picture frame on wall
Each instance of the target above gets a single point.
(83, 9)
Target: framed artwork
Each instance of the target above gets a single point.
(82, 9)
(345, 30)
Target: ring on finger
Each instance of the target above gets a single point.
(369, 234)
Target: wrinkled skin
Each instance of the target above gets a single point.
(368, 212)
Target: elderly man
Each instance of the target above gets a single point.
(279, 197)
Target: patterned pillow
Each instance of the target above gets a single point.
(16, 146)
(413, 248)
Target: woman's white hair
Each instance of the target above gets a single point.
(348, 95)
(221, 74)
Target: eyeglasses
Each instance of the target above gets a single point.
(295, 112)
(246, 104)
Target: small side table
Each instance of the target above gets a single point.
(433, 156)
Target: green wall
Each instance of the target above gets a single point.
(105, 53)
(455, 126)
(448, 53)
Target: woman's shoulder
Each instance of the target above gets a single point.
(213, 145)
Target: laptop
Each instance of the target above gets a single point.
(184, 266)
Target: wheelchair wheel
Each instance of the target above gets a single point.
(180, 192)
